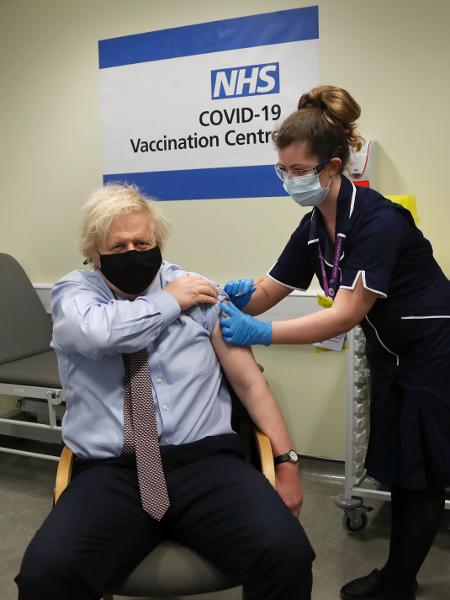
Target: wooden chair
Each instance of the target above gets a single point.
(172, 569)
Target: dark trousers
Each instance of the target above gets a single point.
(220, 506)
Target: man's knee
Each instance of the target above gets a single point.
(287, 549)
(283, 566)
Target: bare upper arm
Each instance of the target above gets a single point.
(238, 363)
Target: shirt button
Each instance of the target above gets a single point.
(159, 380)
(165, 407)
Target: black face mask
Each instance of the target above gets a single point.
(132, 272)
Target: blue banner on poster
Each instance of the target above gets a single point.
(188, 113)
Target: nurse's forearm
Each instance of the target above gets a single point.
(315, 327)
(349, 308)
(268, 293)
(258, 303)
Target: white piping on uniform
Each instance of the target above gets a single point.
(363, 275)
(352, 205)
(379, 339)
(285, 284)
(427, 317)
(310, 221)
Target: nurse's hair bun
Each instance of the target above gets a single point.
(338, 107)
(325, 123)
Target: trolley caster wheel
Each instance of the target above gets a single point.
(354, 521)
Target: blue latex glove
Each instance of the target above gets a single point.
(240, 329)
(240, 291)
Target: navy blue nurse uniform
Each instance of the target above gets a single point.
(407, 330)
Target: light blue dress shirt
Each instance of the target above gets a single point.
(92, 329)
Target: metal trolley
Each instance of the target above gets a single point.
(358, 485)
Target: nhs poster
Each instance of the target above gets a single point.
(188, 112)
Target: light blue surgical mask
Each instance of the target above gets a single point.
(306, 189)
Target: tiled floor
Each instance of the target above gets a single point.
(25, 498)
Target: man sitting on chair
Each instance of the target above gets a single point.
(149, 421)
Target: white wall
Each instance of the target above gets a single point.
(392, 56)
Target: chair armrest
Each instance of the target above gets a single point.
(265, 453)
(63, 473)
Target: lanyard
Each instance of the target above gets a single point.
(329, 287)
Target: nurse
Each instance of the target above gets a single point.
(377, 270)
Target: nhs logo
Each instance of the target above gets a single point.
(250, 80)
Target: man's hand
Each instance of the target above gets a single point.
(289, 487)
(189, 290)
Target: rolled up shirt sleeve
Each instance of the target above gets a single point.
(207, 314)
(88, 320)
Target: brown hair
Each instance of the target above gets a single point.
(325, 121)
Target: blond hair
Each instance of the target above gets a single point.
(325, 120)
(109, 202)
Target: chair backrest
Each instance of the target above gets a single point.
(25, 327)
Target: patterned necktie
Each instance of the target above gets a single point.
(141, 434)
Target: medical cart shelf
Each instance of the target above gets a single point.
(357, 484)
